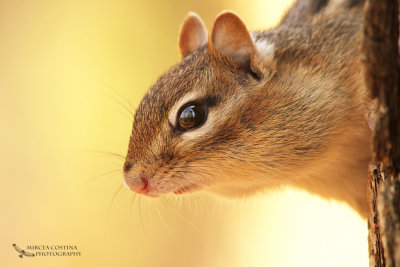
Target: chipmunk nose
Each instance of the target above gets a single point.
(135, 182)
(138, 184)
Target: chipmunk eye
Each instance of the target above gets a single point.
(191, 116)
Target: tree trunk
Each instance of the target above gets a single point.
(381, 65)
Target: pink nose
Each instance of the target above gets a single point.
(139, 185)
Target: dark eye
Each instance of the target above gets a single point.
(191, 116)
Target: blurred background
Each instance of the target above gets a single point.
(68, 70)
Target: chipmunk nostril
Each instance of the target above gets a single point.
(127, 166)
(145, 183)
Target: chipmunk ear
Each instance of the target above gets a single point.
(193, 34)
(230, 37)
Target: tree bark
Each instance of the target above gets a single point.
(381, 65)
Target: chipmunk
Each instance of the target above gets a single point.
(246, 111)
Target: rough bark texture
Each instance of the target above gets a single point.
(381, 65)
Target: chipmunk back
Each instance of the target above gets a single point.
(246, 111)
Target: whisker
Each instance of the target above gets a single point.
(166, 202)
(133, 199)
(175, 183)
(125, 101)
(107, 153)
(120, 187)
(118, 93)
(131, 116)
(99, 176)
(180, 176)
(201, 169)
(141, 218)
(161, 218)
(186, 179)
(188, 171)
(204, 204)
(228, 213)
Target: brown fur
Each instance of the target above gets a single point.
(295, 117)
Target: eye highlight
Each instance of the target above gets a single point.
(191, 116)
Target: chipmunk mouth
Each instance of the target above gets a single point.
(186, 189)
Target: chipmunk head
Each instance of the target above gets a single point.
(223, 116)
(185, 136)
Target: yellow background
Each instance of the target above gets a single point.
(63, 65)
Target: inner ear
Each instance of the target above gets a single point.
(231, 38)
(193, 34)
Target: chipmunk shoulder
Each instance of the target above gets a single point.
(245, 111)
